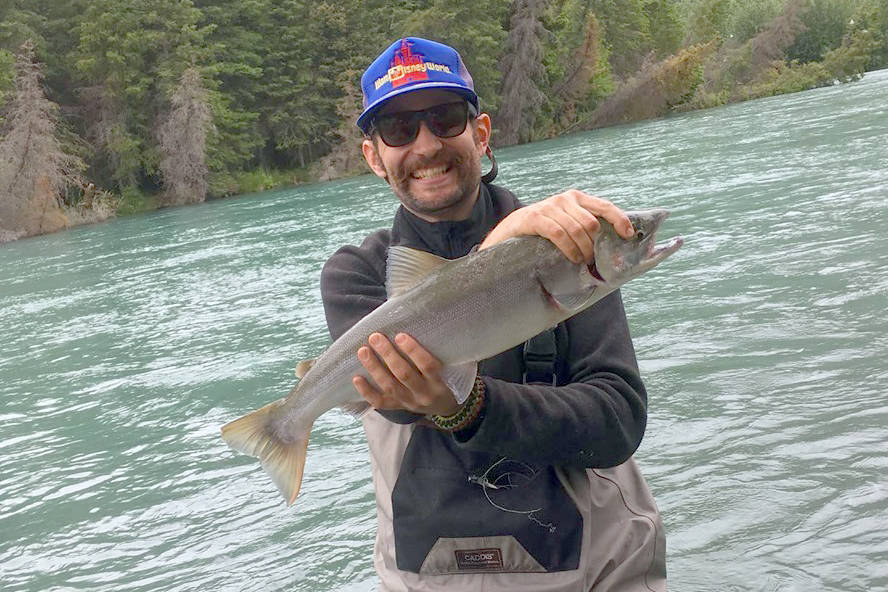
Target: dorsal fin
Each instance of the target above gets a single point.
(407, 267)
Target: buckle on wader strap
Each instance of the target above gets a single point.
(540, 353)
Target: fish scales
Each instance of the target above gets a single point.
(463, 311)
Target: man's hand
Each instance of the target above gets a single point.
(567, 219)
(406, 377)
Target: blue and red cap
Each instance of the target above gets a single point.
(412, 64)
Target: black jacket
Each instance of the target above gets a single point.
(595, 416)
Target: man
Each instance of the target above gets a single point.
(525, 485)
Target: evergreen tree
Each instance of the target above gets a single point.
(664, 25)
(233, 76)
(707, 19)
(476, 29)
(523, 74)
(7, 76)
(182, 140)
(130, 53)
(627, 33)
(825, 23)
(872, 16)
(34, 166)
(577, 67)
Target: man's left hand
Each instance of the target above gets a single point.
(567, 219)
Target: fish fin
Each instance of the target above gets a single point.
(285, 461)
(357, 408)
(303, 367)
(460, 379)
(406, 268)
(573, 300)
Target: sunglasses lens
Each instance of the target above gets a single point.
(398, 129)
(445, 121)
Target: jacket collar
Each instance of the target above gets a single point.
(452, 239)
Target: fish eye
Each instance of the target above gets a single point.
(639, 235)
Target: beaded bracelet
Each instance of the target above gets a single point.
(467, 414)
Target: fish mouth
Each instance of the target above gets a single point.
(658, 253)
(653, 253)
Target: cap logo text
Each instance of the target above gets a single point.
(407, 67)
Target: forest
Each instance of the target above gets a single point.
(116, 106)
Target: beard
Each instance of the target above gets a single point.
(467, 167)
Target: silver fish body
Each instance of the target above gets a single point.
(462, 311)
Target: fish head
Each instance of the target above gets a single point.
(618, 260)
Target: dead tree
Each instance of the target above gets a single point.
(182, 139)
(35, 169)
(523, 73)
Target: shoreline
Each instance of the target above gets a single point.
(134, 201)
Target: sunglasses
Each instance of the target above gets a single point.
(401, 128)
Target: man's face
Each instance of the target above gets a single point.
(435, 178)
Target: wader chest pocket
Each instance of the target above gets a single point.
(457, 511)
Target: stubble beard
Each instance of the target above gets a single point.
(468, 170)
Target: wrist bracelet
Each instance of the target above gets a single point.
(467, 414)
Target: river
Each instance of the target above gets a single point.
(763, 343)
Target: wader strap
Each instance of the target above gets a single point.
(540, 353)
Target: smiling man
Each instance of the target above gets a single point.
(526, 481)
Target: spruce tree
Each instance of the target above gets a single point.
(182, 141)
(523, 74)
(34, 167)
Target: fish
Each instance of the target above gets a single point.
(463, 311)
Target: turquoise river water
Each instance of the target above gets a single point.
(763, 342)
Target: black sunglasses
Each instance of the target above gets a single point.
(401, 128)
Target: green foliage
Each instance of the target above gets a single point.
(577, 67)
(707, 19)
(134, 50)
(626, 32)
(281, 76)
(135, 201)
(748, 19)
(665, 26)
(20, 22)
(825, 23)
(480, 45)
(872, 16)
(658, 89)
(7, 76)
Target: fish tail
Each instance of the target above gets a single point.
(284, 460)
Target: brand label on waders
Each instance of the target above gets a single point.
(479, 559)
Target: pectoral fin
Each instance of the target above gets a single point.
(460, 379)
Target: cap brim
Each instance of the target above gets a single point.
(364, 120)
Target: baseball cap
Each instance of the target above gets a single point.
(412, 64)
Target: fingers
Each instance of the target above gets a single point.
(391, 369)
(607, 210)
(568, 219)
(403, 375)
(422, 359)
(571, 228)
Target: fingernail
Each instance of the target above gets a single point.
(400, 339)
(363, 354)
(376, 339)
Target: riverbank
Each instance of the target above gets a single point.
(643, 97)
